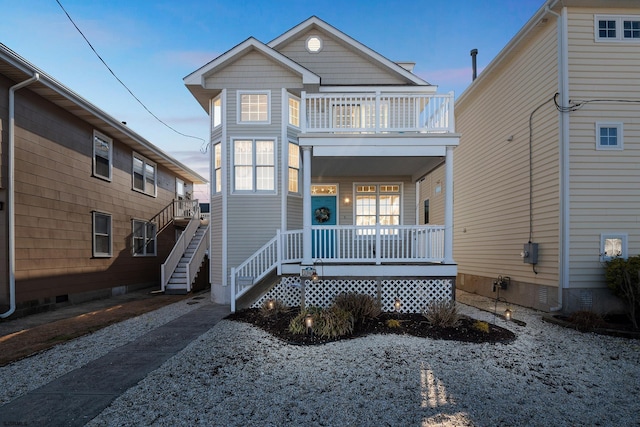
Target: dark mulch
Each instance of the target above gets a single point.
(410, 324)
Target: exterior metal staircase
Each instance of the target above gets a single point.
(185, 260)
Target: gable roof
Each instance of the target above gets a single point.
(195, 81)
(315, 22)
(19, 69)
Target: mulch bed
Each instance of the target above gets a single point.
(410, 324)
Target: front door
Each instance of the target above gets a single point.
(323, 213)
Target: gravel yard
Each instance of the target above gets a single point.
(238, 375)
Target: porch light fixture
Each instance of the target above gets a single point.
(315, 277)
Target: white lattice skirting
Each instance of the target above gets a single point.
(414, 294)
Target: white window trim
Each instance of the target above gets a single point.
(315, 50)
(109, 142)
(289, 111)
(215, 183)
(299, 168)
(253, 164)
(619, 28)
(378, 184)
(216, 115)
(95, 252)
(239, 107)
(133, 237)
(617, 125)
(608, 257)
(145, 162)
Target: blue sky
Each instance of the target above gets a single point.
(152, 45)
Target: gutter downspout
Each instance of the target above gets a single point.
(11, 194)
(563, 89)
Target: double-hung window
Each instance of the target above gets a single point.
(217, 167)
(102, 236)
(102, 155)
(377, 203)
(216, 111)
(144, 175)
(294, 168)
(609, 136)
(254, 107)
(294, 111)
(254, 165)
(617, 28)
(144, 238)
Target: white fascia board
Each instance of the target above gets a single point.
(377, 151)
(314, 20)
(198, 76)
(431, 89)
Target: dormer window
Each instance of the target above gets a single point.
(314, 44)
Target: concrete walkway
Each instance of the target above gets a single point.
(80, 395)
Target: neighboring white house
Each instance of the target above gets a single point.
(318, 145)
(549, 154)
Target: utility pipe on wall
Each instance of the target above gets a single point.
(11, 194)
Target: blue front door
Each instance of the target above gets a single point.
(323, 212)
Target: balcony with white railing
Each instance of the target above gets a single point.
(376, 113)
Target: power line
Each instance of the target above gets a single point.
(120, 81)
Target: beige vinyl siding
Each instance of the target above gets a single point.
(336, 64)
(604, 184)
(491, 173)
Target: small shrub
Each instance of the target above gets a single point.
(271, 308)
(623, 278)
(585, 320)
(333, 322)
(442, 314)
(393, 323)
(362, 307)
(481, 326)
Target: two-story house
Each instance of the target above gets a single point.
(88, 207)
(318, 145)
(547, 179)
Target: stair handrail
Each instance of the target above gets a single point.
(194, 264)
(170, 264)
(257, 266)
(163, 218)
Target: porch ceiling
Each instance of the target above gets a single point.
(373, 166)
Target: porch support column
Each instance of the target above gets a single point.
(306, 206)
(448, 207)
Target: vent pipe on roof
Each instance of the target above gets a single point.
(474, 53)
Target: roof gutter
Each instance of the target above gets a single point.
(11, 195)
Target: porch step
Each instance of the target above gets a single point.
(178, 281)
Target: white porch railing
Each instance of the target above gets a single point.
(377, 244)
(377, 112)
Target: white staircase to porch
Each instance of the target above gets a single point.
(182, 265)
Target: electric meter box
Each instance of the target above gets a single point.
(530, 253)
